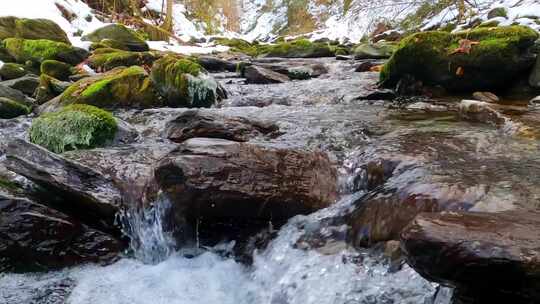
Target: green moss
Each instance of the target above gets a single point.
(12, 71)
(127, 87)
(7, 184)
(239, 45)
(109, 43)
(493, 62)
(37, 51)
(73, 127)
(56, 69)
(301, 48)
(181, 82)
(106, 59)
(11, 109)
(379, 50)
(120, 34)
(40, 29)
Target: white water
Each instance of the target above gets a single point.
(281, 274)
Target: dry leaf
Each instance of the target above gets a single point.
(460, 72)
(465, 46)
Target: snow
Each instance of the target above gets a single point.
(186, 49)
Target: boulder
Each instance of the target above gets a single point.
(486, 97)
(13, 27)
(222, 178)
(301, 48)
(498, 12)
(84, 191)
(57, 69)
(77, 126)
(14, 95)
(11, 109)
(193, 123)
(300, 73)
(13, 70)
(4, 55)
(365, 67)
(37, 51)
(259, 75)
(214, 64)
(534, 78)
(119, 33)
(38, 238)
(487, 257)
(380, 50)
(183, 83)
(479, 59)
(26, 84)
(107, 59)
(119, 88)
(109, 43)
(49, 88)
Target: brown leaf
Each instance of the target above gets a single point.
(465, 46)
(460, 71)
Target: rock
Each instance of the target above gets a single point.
(57, 69)
(49, 88)
(11, 109)
(498, 12)
(13, 27)
(487, 257)
(380, 94)
(120, 34)
(183, 83)
(480, 111)
(38, 238)
(365, 67)
(380, 50)
(535, 100)
(259, 75)
(85, 191)
(300, 73)
(12, 70)
(534, 78)
(119, 88)
(499, 58)
(221, 178)
(343, 57)
(107, 59)
(388, 36)
(214, 64)
(37, 51)
(193, 123)
(14, 95)
(77, 126)
(109, 43)
(26, 84)
(4, 55)
(486, 97)
(301, 48)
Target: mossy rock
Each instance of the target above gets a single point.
(13, 70)
(300, 73)
(498, 12)
(120, 34)
(500, 57)
(56, 69)
(238, 45)
(489, 23)
(106, 59)
(11, 109)
(49, 88)
(379, 50)
(301, 48)
(13, 27)
(108, 44)
(37, 51)
(4, 54)
(73, 127)
(183, 83)
(118, 88)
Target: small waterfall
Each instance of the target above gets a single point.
(150, 241)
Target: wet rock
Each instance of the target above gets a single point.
(381, 94)
(26, 84)
(49, 88)
(488, 257)
(57, 69)
(479, 65)
(38, 238)
(221, 178)
(13, 27)
(11, 109)
(259, 75)
(214, 64)
(191, 124)
(534, 79)
(300, 73)
(183, 83)
(535, 100)
(481, 112)
(85, 191)
(380, 50)
(301, 48)
(12, 70)
(120, 34)
(365, 67)
(486, 97)
(343, 57)
(14, 95)
(107, 59)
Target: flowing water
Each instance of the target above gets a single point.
(309, 260)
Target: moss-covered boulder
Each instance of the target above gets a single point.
(37, 51)
(379, 50)
(12, 71)
(300, 73)
(480, 59)
(11, 109)
(301, 48)
(108, 44)
(4, 54)
(73, 127)
(56, 69)
(49, 88)
(13, 27)
(183, 83)
(120, 34)
(238, 45)
(107, 59)
(118, 88)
